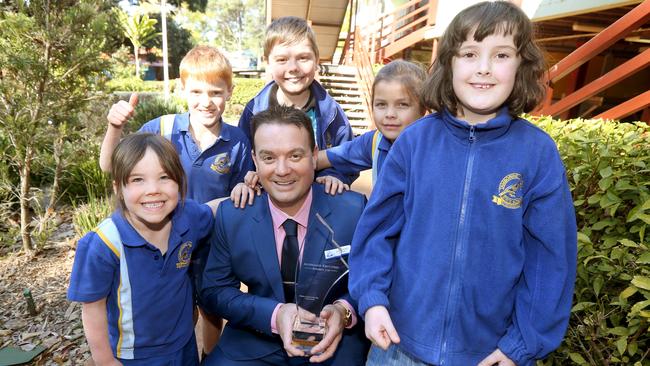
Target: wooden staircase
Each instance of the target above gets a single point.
(590, 92)
(377, 42)
(341, 83)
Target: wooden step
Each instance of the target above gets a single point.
(357, 115)
(359, 130)
(340, 85)
(337, 69)
(352, 107)
(355, 92)
(337, 78)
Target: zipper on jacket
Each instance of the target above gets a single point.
(458, 245)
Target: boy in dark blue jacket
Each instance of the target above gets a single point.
(466, 252)
(292, 55)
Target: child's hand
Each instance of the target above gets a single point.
(333, 185)
(252, 179)
(379, 327)
(122, 111)
(242, 193)
(497, 358)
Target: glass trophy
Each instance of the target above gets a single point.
(318, 284)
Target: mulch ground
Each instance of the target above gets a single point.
(57, 325)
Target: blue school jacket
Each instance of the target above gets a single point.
(333, 125)
(469, 240)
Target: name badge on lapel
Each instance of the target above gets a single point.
(337, 252)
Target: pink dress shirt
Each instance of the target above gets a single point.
(302, 218)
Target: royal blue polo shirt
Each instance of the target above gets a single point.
(351, 157)
(161, 308)
(212, 173)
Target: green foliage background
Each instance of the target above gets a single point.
(608, 167)
(245, 90)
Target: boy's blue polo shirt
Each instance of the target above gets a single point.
(161, 290)
(351, 157)
(214, 172)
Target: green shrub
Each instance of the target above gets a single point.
(133, 83)
(88, 215)
(245, 89)
(608, 169)
(82, 178)
(151, 107)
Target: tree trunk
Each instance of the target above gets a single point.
(54, 194)
(137, 62)
(25, 213)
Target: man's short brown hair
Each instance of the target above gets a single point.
(283, 115)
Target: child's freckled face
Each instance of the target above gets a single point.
(293, 66)
(149, 194)
(206, 101)
(393, 109)
(484, 76)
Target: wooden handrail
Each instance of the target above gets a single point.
(411, 25)
(365, 74)
(630, 67)
(391, 27)
(626, 108)
(412, 14)
(619, 29)
(601, 41)
(398, 9)
(348, 38)
(386, 31)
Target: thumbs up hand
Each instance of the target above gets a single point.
(122, 111)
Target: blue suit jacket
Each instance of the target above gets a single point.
(243, 250)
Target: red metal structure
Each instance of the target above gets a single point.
(599, 54)
(600, 42)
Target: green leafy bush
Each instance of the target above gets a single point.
(155, 106)
(88, 215)
(245, 89)
(82, 178)
(608, 169)
(133, 83)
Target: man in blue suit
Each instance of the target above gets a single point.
(261, 245)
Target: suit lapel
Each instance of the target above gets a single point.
(264, 241)
(317, 234)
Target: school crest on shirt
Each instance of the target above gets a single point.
(221, 163)
(184, 255)
(510, 191)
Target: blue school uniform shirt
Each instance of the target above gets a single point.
(212, 173)
(351, 157)
(160, 287)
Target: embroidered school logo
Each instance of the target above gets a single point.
(510, 191)
(184, 255)
(221, 163)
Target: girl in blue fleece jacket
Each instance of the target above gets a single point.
(466, 251)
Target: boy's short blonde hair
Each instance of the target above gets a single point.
(289, 30)
(207, 64)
